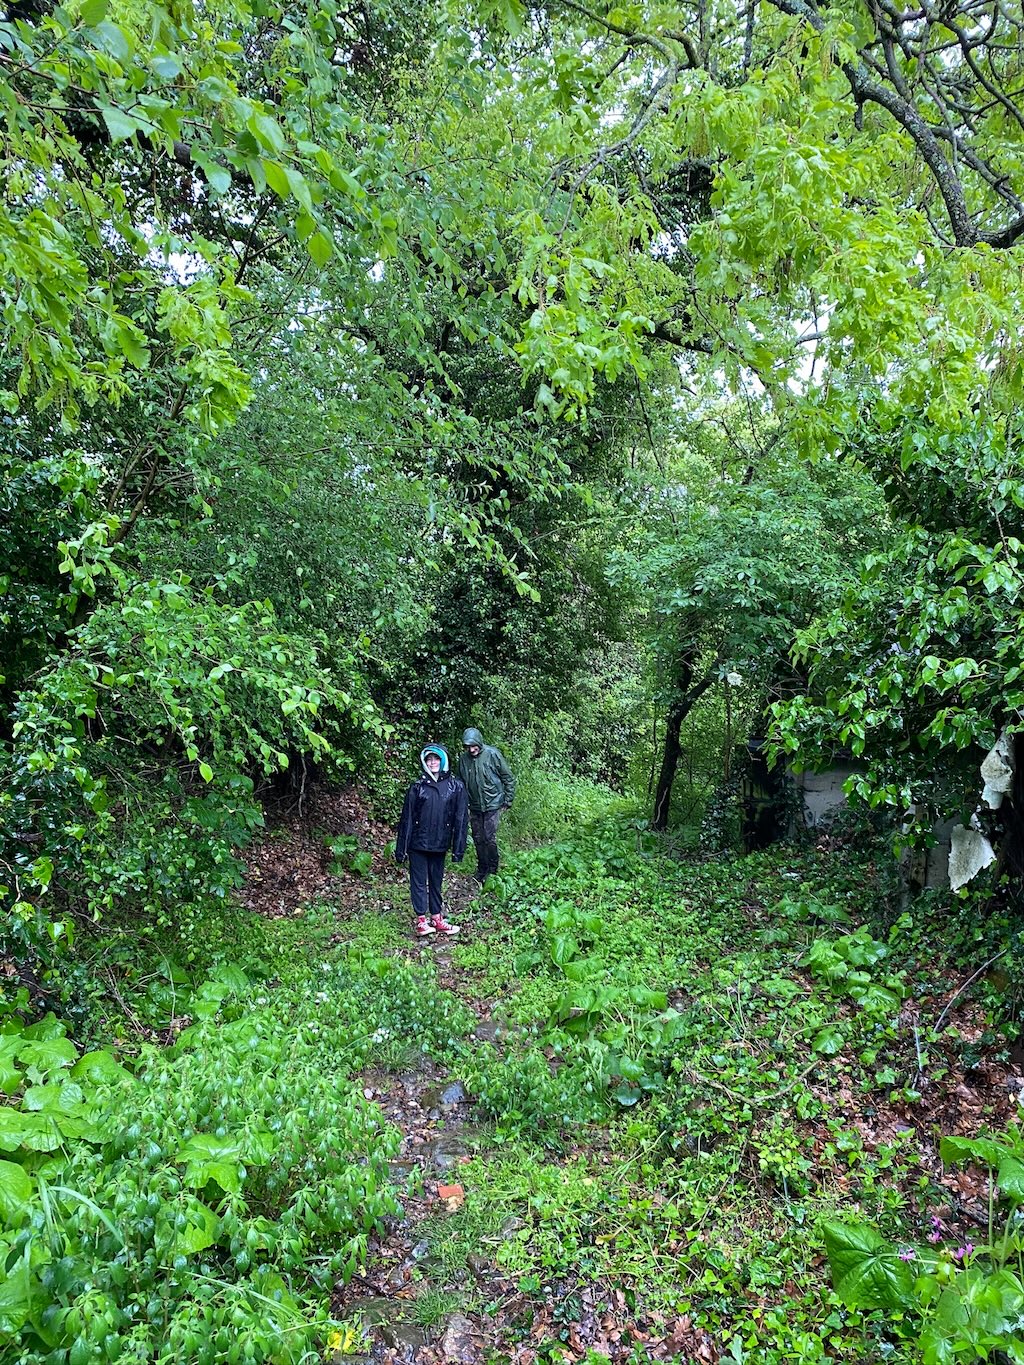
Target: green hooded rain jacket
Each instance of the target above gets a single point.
(488, 777)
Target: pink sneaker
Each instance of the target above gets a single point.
(441, 926)
(424, 928)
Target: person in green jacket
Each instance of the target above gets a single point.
(491, 788)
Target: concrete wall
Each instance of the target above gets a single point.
(822, 795)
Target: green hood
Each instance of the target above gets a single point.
(472, 736)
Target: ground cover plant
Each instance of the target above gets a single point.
(199, 1200)
(719, 1080)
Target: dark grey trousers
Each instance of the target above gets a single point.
(484, 824)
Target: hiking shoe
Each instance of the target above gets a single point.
(424, 928)
(441, 926)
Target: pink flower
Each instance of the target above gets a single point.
(961, 1253)
(935, 1236)
(907, 1254)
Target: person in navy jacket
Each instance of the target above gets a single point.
(434, 819)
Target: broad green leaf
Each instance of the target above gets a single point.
(113, 40)
(277, 178)
(100, 1068)
(15, 1192)
(49, 1098)
(320, 247)
(120, 125)
(230, 976)
(563, 949)
(132, 343)
(299, 189)
(218, 177)
(828, 1041)
(1011, 1179)
(47, 1027)
(983, 1151)
(866, 1271)
(166, 66)
(37, 1132)
(48, 1054)
(201, 1228)
(627, 1095)
(267, 131)
(15, 1297)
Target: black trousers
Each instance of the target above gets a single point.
(426, 873)
(484, 824)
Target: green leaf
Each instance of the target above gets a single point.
(15, 1192)
(866, 1270)
(299, 188)
(626, 1095)
(100, 1068)
(93, 12)
(218, 177)
(983, 1151)
(267, 131)
(166, 66)
(10, 1077)
(201, 1228)
(113, 40)
(15, 1297)
(132, 342)
(120, 125)
(563, 949)
(277, 179)
(1011, 1179)
(320, 247)
(37, 1132)
(48, 1054)
(206, 772)
(828, 1041)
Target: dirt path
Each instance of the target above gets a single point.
(410, 1306)
(420, 1308)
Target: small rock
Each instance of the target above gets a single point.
(368, 1093)
(511, 1225)
(479, 1265)
(420, 1250)
(459, 1342)
(404, 1336)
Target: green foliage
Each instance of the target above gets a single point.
(203, 1203)
(916, 671)
(966, 1302)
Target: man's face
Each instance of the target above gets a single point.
(472, 750)
(433, 762)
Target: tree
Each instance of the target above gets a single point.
(732, 564)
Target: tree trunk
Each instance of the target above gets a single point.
(690, 695)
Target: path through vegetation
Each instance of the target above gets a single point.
(643, 1110)
(673, 1084)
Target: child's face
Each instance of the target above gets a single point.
(433, 762)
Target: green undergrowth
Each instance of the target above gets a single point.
(198, 1200)
(697, 1062)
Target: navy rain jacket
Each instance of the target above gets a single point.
(434, 818)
